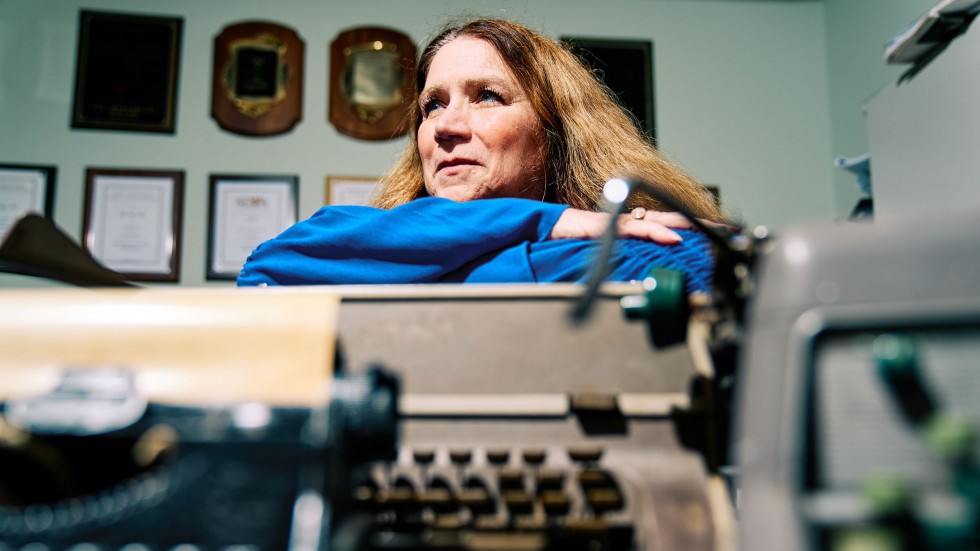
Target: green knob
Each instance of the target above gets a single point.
(897, 360)
(871, 538)
(896, 354)
(886, 495)
(951, 437)
(664, 306)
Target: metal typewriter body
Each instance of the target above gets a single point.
(820, 432)
(566, 428)
(515, 429)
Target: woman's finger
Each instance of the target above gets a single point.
(669, 219)
(647, 228)
(673, 219)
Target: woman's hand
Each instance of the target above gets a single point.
(641, 223)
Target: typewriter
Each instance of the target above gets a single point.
(430, 417)
(362, 418)
(856, 418)
(481, 417)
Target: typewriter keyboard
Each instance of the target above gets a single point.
(515, 499)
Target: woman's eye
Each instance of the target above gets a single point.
(429, 106)
(490, 95)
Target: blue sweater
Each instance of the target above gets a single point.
(434, 240)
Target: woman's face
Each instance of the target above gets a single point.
(479, 136)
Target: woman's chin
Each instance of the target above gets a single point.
(460, 194)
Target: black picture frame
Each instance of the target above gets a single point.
(245, 210)
(626, 67)
(25, 188)
(132, 221)
(126, 72)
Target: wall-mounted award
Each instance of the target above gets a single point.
(257, 82)
(126, 73)
(371, 82)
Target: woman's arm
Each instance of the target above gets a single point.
(420, 241)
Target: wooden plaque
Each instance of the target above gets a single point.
(257, 81)
(126, 73)
(371, 82)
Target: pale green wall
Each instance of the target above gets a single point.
(857, 32)
(744, 95)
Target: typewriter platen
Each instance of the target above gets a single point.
(455, 418)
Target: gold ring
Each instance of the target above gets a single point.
(638, 213)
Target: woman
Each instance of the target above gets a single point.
(511, 141)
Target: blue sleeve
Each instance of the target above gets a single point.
(632, 259)
(418, 242)
(571, 260)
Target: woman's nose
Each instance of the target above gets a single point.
(453, 122)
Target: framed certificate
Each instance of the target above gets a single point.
(25, 189)
(126, 72)
(245, 211)
(351, 190)
(132, 221)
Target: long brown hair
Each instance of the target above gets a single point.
(590, 137)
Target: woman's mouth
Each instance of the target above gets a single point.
(455, 164)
